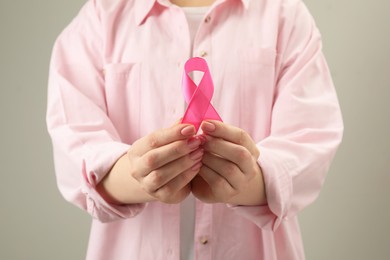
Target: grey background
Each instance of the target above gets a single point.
(350, 220)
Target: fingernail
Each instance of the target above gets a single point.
(208, 127)
(196, 155)
(193, 143)
(188, 130)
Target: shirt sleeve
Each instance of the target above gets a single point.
(306, 126)
(85, 141)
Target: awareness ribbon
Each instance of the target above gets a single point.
(198, 97)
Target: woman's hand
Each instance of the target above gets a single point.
(230, 173)
(164, 162)
(161, 166)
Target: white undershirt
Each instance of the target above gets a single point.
(194, 16)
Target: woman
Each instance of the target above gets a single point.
(155, 187)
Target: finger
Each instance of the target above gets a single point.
(230, 133)
(228, 170)
(161, 176)
(179, 182)
(232, 152)
(161, 156)
(220, 187)
(163, 137)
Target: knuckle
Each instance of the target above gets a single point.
(133, 174)
(166, 192)
(243, 154)
(177, 150)
(134, 169)
(242, 137)
(150, 161)
(149, 187)
(151, 183)
(153, 141)
(155, 178)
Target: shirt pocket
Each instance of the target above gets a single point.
(122, 86)
(257, 80)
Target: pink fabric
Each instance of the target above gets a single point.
(198, 97)
(115, 76)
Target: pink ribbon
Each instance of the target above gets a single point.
(198, 97)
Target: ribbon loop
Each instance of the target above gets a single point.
(198, 97)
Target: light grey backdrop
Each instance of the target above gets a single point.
(350, 220)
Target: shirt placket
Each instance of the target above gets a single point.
(204, 212)
(181, 43)
(203, 231)
(171, 232)
(202, 41)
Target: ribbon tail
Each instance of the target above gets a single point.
(212, 114)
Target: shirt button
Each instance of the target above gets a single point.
(203, 240)
(207, 19)
(203, 54)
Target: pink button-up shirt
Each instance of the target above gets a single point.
(116, 75)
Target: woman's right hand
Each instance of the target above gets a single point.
(165, 161)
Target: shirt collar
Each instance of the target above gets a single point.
(143, 8)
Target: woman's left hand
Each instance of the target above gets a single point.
(230, 172)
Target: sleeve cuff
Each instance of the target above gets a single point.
(278, 187)
(94, 168)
